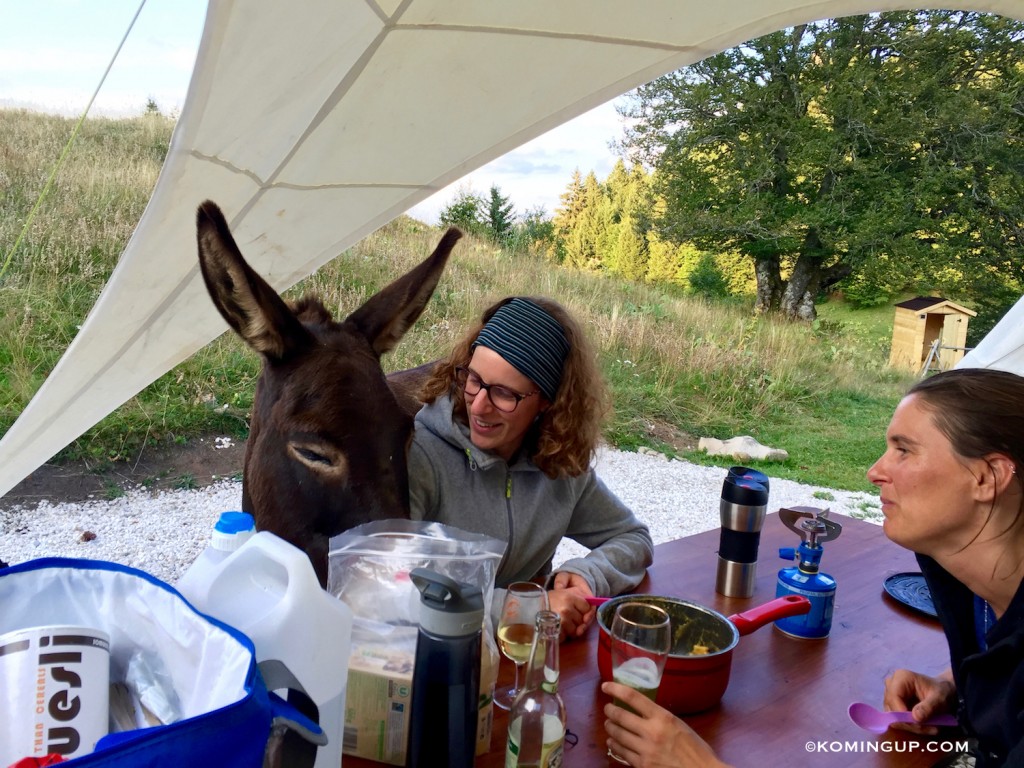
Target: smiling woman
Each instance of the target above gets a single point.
(951, 491)
(504, 447)
(925, 484)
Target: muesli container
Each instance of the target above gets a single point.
(55, 692)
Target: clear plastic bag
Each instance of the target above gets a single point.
(369, 570)
(369, 565)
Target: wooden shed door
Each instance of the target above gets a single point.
(949, 357)
(932, 332)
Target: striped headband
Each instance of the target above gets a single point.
(529, 339)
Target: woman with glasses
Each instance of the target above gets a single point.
(504, 447)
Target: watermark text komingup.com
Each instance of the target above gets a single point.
(933, 747)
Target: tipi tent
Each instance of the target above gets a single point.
(314, 122)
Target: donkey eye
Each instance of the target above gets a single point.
(319, 457)
(312, 456)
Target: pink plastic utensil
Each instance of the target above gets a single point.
(871, 719)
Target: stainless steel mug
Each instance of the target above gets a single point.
(742, 508)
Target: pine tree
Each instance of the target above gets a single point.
(628, 255)
(500, 219)
(591, 226)
(566, 216)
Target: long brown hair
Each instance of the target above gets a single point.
(565, 437)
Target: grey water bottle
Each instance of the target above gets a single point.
(446, 676)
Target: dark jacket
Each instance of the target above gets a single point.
(989, 683)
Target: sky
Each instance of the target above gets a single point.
(53, 54)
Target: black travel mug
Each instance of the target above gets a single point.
(742, 508)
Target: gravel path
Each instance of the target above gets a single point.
(162, 533)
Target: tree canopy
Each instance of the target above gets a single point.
(885, 151)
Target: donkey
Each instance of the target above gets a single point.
(328, 436)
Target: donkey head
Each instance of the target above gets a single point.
(327, 439)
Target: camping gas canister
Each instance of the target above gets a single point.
(804, 578)
(820, 589)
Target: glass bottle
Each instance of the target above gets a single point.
(536, 731)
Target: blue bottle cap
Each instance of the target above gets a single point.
(235, 522)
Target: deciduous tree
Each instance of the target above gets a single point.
(818, 150)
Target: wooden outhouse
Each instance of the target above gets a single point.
(920, 323)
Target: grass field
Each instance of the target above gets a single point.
(679, 367)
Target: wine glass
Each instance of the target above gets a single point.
(641, 637)
(523, 599)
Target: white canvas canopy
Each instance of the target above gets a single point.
(1003, 346)
(314, 122)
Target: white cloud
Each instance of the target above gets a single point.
(537, 173)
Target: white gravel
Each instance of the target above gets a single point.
(162, 533)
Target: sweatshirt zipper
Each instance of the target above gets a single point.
(508, 511)
(508, 505)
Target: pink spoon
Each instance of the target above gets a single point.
(871, 719)
(598, 600)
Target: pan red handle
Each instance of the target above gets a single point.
(779, 608)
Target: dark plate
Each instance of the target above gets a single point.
(911, 590)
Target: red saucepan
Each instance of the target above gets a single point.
(692, 683)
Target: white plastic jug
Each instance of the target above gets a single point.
(230, 532)
(267, 589)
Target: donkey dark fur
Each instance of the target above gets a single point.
(328, 436)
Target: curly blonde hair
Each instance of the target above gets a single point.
(566, 435)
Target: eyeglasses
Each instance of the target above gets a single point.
(502, 398)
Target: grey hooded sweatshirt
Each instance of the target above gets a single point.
(454, 482)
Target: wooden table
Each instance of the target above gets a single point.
(785, 696)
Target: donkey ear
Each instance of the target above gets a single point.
(386, 316)
(250, 306)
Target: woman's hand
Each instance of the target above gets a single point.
(921, 695)
(653, 737)
(568, 598)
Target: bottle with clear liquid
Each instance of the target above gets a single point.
(536, 731)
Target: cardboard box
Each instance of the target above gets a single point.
(378, 701)
(488, 677)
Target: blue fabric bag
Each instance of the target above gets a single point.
(227, 714)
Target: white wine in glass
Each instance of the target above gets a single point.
(641, 637)
(523, 599)
(515, 641)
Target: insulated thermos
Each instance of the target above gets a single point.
(742, 508)
(446, 676)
